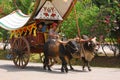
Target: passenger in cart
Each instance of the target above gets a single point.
(41, 27)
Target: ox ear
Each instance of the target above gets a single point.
(94, 40)
(89, 43)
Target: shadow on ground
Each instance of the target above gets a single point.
(12, 68)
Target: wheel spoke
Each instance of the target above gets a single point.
(19, 61)
(21, 53)
(22, 61)
(24, 47)
(16, 59)
(20, 42)
(17, 45)
(25, 57)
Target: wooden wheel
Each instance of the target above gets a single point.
(21, 52)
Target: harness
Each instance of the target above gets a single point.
(71, 46)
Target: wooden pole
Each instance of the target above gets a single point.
(78, 29)
(77, 24)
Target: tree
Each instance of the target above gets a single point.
(7, 6)
(108, 22)
(108, 17)
(26, 6)
(86, 13)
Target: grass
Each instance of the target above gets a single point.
(98, 61)
(3, 54)
(103, 61)
(35, 58)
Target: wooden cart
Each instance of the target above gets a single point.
(22, 45)
(21, 48)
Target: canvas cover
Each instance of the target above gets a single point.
(59, 10)
(48, 12)
(14, 20)
(62, 6)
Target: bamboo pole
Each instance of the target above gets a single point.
(78, 29)
(77, 24)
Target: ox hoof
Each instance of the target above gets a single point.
(89, 69)
(71, 68)
(44, 68)
(49, 70)
(62, 70)
(66, 70)
(83, 69)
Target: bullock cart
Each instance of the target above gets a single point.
(24, 38)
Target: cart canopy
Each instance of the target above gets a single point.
(48, 12)
(63, 7)
(14, 21)
(44, 9)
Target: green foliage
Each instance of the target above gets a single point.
(3, 54)
(107, 20)
(86, 15)
(26, 6)
(100, 3)
(91, 15)
(4, 34)
(7, 7)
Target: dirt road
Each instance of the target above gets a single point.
(34, 71)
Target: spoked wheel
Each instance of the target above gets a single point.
(21, 52)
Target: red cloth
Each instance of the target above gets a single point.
(54, 24)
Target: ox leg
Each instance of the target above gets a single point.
(88, 65)
(84, 63)
(46, 64)
(70, 65)
(62, 68)
(64, 65)
(83, 68)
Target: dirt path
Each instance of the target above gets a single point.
(34, 71)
